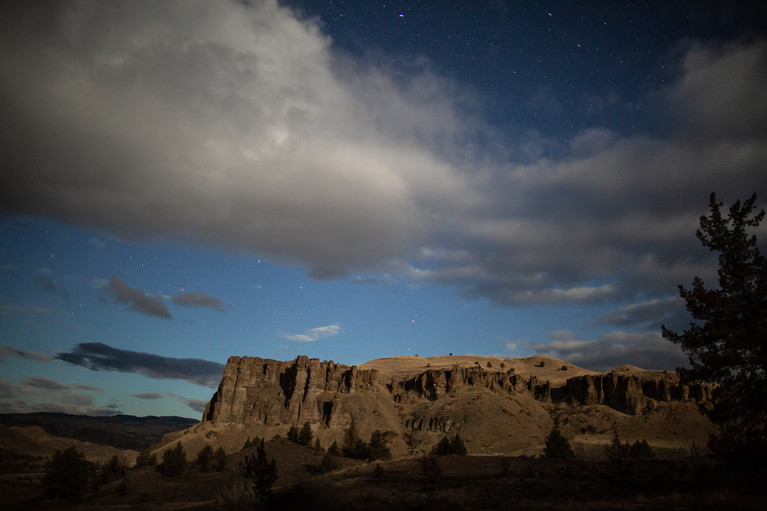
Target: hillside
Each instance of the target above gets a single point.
(120, 431)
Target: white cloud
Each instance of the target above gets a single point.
(241, 126)
(314, 334)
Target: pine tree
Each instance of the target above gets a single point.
(557, 445)
(727, 342)
(260, 474)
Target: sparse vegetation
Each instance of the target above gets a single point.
(617, 453)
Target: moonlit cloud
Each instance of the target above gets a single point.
(147, 395)
(152, 305)
(199, 300)
(243, 127)
(314, 334)
(101, 357)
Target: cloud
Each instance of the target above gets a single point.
(37, 394)
(199, 300)
(243, 127)
(645, 350)
(147, 395)
(44, 383)
(313, 334)
(7, 351)
(197, 405)
(649, 315)
(96, 243)
(99, 356)
(47, 284)
(152, 305)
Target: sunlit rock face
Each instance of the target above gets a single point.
(273, 393)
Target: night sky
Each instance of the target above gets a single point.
(185, 181)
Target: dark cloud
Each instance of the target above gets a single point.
(47, 284)
(147, 395)
(37, 394)
(197, 405)
(99, 356)
(44, 383)
(314, 158)
(645, 350)
(199, 300)
(153, 305)
(7, 351)
(649, 315)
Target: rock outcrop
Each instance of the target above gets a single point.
(415, 408)
(272, 393)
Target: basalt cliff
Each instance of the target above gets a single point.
(496, 405)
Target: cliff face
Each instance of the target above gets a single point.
(272, 393)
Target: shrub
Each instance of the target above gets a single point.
(618, 453)
(329, 463)
(334, 449)
(251, 443)
(146, 459)
(66, 475)
(293, 434)
(448, 447)
(640, 450)
(305, 435)
(558, 446)
(220, 458)
(204, 457)
(379, 450)
(541, 364)
(173, 461)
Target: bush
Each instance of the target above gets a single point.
(305, 435)
(448, 447)
(293, 434)
(220, 458)
(379, 450)
(146, 459)
(641, 450)
(66, 475)
(204, 457)
(329, 463)
(251, 443)
(558, 446)
(173, 461)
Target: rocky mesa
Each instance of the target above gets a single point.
(497, 405)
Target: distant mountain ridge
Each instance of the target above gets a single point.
(120, 431)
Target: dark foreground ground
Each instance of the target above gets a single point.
(455, 482)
